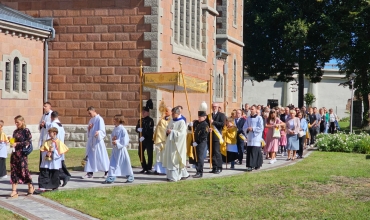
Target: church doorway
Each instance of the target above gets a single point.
(272, 103)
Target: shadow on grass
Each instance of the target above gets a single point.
(367, 157)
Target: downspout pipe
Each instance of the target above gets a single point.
(46, 63)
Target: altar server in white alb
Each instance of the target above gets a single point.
(44, 125)
(52, 151)
(120, 164)
(253, 127)
(174, 158)
(96, 152)
(55, 123)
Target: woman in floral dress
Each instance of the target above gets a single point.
(19, 172)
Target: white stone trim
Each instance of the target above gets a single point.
(231, 39)
(16, 29)
(211, 10)
(22, 60)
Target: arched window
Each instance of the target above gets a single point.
(24, 77)
(234, 81)
(222, 87)
(235, 11)
(16, 69)
(217, 86)
(7, 76)
(15, 83)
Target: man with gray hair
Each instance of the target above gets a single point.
(174, 156)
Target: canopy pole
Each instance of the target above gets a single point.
(210, 104)
(141, 109)
(187, 102)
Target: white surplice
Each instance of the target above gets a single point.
(120, 164)
(44, 130)
(61, 132)
(97, 156)
(174, 156)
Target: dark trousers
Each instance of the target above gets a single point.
(2, 166)
(48, 179)
(216, 154)
(201, 154)
(149, 151)
(313, 132)
(301, 144)
(240, 150)
(63, 172)
(332, 127)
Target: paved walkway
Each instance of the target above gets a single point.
(37, 207)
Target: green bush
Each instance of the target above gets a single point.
(342, 142)
(345, 119)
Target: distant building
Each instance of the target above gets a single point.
(328, 92)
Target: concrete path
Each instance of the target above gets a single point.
(37, 207)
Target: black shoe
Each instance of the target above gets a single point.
(129, 181)
(143, 171)
(169, 180)
(148, 172)
(249, 169)
(156, 173)
(65, 181)
(218, 171)
(257, 168)
(198, 175)
(213, 171)
(184, 178)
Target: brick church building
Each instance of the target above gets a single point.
(95, 56)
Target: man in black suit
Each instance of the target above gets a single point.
(239, 122)
(216, 120)
(284, 117)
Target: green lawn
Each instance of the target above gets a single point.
(8, 215)
(73, 159)
(322, 186)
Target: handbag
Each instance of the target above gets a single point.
(276, 133)
(27, 150)
(301, 134)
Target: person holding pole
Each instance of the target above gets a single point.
(201, 130)
(147, 131)
(216, 122)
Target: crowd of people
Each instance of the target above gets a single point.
(253, 130)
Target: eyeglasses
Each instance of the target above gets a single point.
(272, 111)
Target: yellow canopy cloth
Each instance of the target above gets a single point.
(173, 82)
(62, 148)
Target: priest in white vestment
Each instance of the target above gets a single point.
(120, 164)
(174, 155)
(44, 124)
(96, 152)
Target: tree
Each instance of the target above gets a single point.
(352, 48)
(286, 37)
(309, 98)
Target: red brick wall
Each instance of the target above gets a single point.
(94, 58)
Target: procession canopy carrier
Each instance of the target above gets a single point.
(175, 82)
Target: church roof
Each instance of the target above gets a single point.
(13, 16)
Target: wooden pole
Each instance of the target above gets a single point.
(210, 104)
(141, 109)
(187, 102)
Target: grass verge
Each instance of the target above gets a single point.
(322, 186)
(8, 215)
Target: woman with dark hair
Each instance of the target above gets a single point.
(19, 172)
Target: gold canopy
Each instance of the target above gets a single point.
(173, 82)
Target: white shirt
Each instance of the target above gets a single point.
(332, 117)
